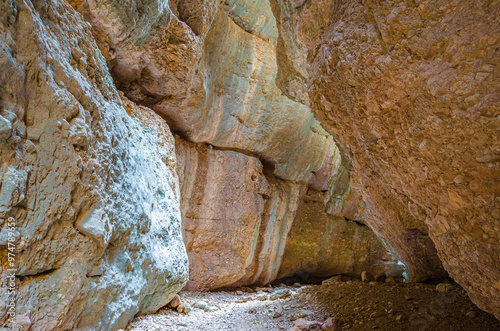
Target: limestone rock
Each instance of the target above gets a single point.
(410, 92)
(210, 78)
(234, 216)
(96, 202)
(321, 245)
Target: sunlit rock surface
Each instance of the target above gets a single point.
(89, 178)
(211, 72)
(410, 91)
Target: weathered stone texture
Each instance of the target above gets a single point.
(238, 216)
(411, 90)
(322, 245)
(89, 178)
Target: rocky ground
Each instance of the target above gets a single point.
(337, 304)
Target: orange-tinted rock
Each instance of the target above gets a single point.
(322, 245)
(410, 90)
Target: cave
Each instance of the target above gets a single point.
(249, 164)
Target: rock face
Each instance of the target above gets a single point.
(322, 245)
(211, 70)
(242, 225)
(410, 90)
(88, 177)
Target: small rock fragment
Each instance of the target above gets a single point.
(279, 293)
(302, 324)
(200, 305)
(390, 279)
(332, 324)
(470, 314)
(175, 302)
(366, 277)
(444, 287)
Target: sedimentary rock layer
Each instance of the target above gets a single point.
(240, 222)
(88, 177)
(411, 91)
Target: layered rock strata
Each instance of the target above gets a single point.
(89, 178)
(210, 70)
(242, 225)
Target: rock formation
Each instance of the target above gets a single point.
(410, 90)
(407, 89)
(88, 177)
(210, 70)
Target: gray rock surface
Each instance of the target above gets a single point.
(88, 176)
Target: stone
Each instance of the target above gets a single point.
(200, 305)
(175, 302)
(5, 128)
(366, 277)
(304, 312)
(100, 197)
(332, 324)
(302, 324)
(210, 308)
(401, 106)
(444, 287)
(279, 294)
(390, 280)
(470, 314)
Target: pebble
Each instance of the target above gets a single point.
(279, 294)
(470, 314)
(333, 279)
(444, 287)
(302, 324)
(239, 292)
(261, 297)
(175, 302)
(366, 277)
(332, 324)
(390, 280)
(200, 305)
(399, 317)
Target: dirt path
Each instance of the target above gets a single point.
(357, 305)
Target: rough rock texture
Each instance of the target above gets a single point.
(211, 79)
(240, 222)
(211, 71)
(410, 89)
(235, 219)
(322, 245)
(90, 180)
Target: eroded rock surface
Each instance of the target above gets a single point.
(410, 90)
(89, 178)
(242, 225)
(322, 245)
(211, 72)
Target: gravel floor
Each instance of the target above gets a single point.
(358, 305)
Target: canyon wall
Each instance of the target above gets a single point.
(247, 153)
(97, 183)
(89, 178)
(410, 90)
